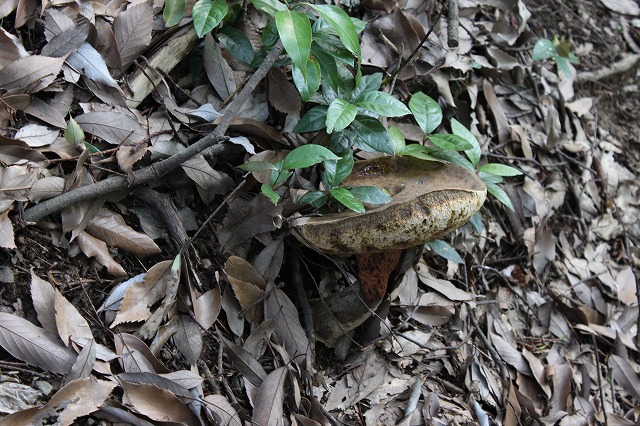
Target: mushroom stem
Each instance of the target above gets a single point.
(374, 270)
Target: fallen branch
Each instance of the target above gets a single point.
(453, 22)
(157, 170)
(623, 65)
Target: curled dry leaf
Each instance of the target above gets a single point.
(219, 411)
(248, 287)
(6, 231)
(207, 307)
(188, 339)
(111, 228)
(157, 404)
(160, 282)
(132, 30)
(93, 247)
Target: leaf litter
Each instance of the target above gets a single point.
(539, 324)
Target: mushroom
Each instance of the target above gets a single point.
(430, 199)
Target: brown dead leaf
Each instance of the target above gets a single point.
(625, 375)
(111, 228)
(510, 354)
(269, 407)
(43, 295)
(72, 327)
(112, 127)
(159, 381)
(219, 411)
(160, 282)
(46, 188)
(93, 247)
(67, 41)
(36, 135)
(279, 308)
(443, 287)
(157, 404)
(282, 93)
(30, 74)
(11, 48)
(135, 351)
(188, 338)
(129, 154)
(89, 62)
(84, 363)
(220, 74)
(247, 218)
(269, 261)
(245, 363)
(209, 181)
(206, 308)
(248, 287)
(34, 345)
(6, 231)
(562, 381)
(132, 31)
(86, 394)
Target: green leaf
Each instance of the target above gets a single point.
(270, 7)
(382, 104)
(316, 199)
(306, 156)
(73, 133)
(340, 114)
(309, 83)
(237, 43)
(426, 111)
(341, 141)
(499, 169)
(450, 142)
(270, 193)
(564, 66)
(257, 166)
(347, 199)
(336, 170)
(173, 12)
(372, 135)
(342, 25)
(443, 249)
(397, 139)
(207, 14)
(294, 29)
(490, 178)
(328, 66)
(499, 193)
(419, 151)
(455, 158)
(476, 222)
(474, 153)
(279, 176)
(368, 83)
(370, 194)
(313, 120)
(543, 49)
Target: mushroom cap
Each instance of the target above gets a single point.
(429, 200)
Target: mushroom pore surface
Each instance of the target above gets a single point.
(429, 200)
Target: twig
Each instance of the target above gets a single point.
(407, 61)
(159, 169)
(453, 22)
(485, 340)
(625, 64)
(301, 295)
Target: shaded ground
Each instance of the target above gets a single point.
(538, 326)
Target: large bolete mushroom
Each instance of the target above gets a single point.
(430, 199)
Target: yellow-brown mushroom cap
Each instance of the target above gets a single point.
(430, 199)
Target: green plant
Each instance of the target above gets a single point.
(558, 50)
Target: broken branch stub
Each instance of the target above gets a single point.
(430, 199)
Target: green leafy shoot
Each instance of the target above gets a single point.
(382, 104)
(499, 169)
(340, 114)
(307, 156)
(475, 152)
(270, 7)
(370, 194)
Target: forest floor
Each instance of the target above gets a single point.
(538, 325)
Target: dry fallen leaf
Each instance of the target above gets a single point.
(269, 401)
(34, 345)
(86, 394)
(93, 247)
